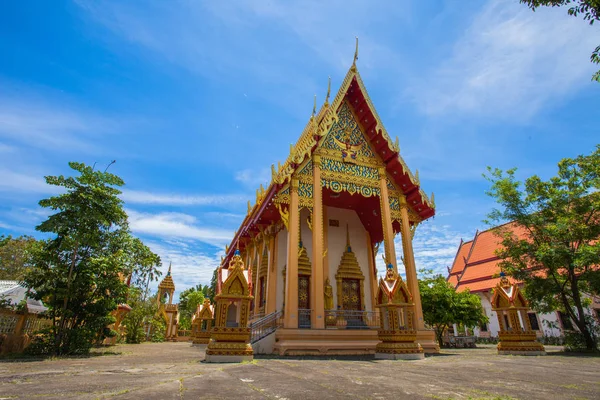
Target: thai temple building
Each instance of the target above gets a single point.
(476, 268)
(310, 239)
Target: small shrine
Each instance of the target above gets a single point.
(350, 280)
(397, 312)
(516, 336)
(166, 308)
(202, 322)
(230, 337)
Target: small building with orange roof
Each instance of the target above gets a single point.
(476, 268)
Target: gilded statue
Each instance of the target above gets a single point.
(328, 295)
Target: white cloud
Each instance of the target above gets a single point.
(141, 197)
(510, 62)
(4, 148)
(253, 178)
(18, 182)
(434, 247)
(276, 45)
(55, 126)
(177, 225)
(190, 266)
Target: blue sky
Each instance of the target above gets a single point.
(196, 99)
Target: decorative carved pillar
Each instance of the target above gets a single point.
(256, 255)
(317, 282)
(291, 282)
(409, 263)
(272, 276)
(386, 220)
(372, 269)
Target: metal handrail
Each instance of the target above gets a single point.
(304, 316)
(264, 326)
(350, 319)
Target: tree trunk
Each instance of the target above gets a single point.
(590, 343)
(61, 330)
(439, 333)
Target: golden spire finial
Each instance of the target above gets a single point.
(328, 92)
(355, 53)
(169, 271)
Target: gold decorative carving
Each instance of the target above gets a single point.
(397, 333)
(285, 215)
(231, 337)
(515, 337)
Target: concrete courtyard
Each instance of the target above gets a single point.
(176, 371)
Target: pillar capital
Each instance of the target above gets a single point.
(402, 200)
(294, 184)
(382, 172)
(316, 159)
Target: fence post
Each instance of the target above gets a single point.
(20, 324)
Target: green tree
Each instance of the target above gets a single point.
(558, 255)
(589, 9)
(79, 273)
(212, 290)
(188, 303)
(443, 306)
(142, 268)
(143, 311)
(15, 256)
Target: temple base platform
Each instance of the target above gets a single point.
(521, 353)
(520, 343)
(325, 342)
(426, 338)
(391, 356)
(296, 342)
(217, 358)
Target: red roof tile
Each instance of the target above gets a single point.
(453, 280)
(459, 261)
(478, 271)
(482, 286)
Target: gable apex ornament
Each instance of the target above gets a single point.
(353, 68)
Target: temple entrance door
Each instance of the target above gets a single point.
(351, 295)
(303, 301)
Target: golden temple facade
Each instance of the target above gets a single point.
(311, 238)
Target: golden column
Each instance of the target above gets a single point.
(257, 256)
(317, 300)
(290, 319)
(409, 263)
(272, 276)
(386, 220)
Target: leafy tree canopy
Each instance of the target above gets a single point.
(81, 272)
(558, 255)
(443, 306)
(189, 300)
(589, 9)
(15, 256)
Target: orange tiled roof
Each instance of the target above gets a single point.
(460, 260)
(476, 264)
(478, 271)
(482, 286)
(453, 280)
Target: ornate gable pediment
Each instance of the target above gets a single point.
(508, 295)
(236, 283)
(393, 290)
